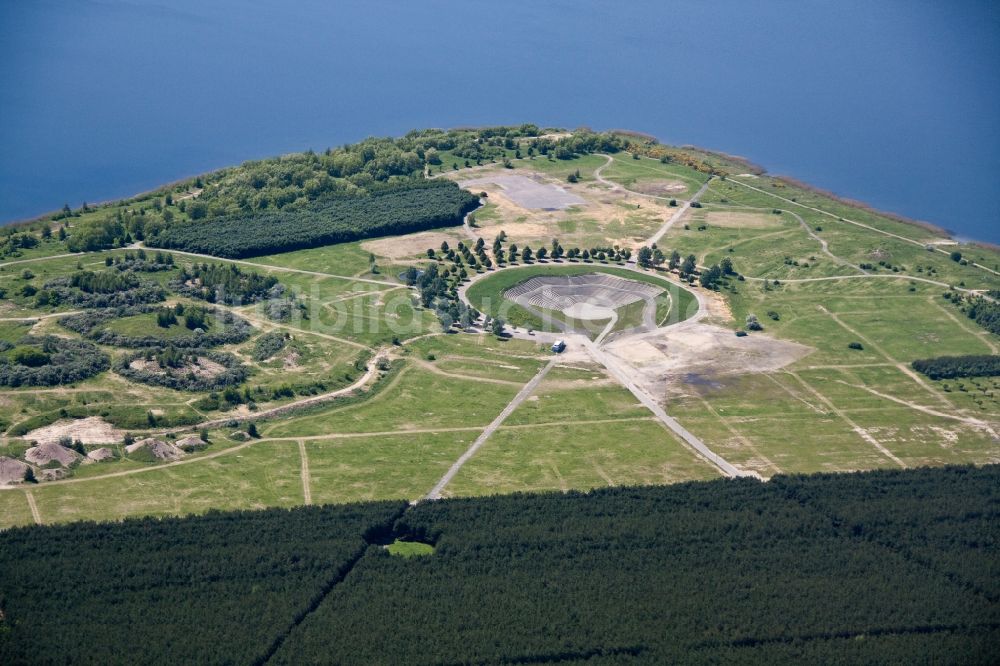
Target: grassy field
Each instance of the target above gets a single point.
(487, 294)
(813, 277)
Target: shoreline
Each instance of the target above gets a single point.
(751, 167)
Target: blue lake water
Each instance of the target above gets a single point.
(893, 103)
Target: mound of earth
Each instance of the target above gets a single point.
(12, 471)
(101, 454)
(202, 367)
(43, 454)
(154, 448)
(191, 443)
(91, 430)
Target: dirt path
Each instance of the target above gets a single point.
(968, 420)
(678, 214)
(855, 223)
(522, 395)
(902, 367)
(307, 498)
(430, 367)
(34, 507)
(861, 432)
(824, 246)
(696, 444)
(286, 269)
(745, 441)
(298, 404)
(982, 334)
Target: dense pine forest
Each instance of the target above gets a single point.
(417, 206)
(879, 567)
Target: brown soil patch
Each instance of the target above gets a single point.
(91, 430)
(203, 367)
(679, 358)
(48, 452)
(410, 245)
(659, 187)
(736, 220)
(602, 207)
(290, 360)
(11, 470)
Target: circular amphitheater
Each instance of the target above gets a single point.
(591, 296)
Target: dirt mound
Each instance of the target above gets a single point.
(191, 443)
(154, 448)
(12, 471)
(91, 430)
(43, 454)
(101, 454)
(202, 368)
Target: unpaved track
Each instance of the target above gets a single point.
(307, 498)
(858, 430)
(678, 214)
(34, 507)
(298, 404)
(968, 420)
(528, 389)
(277, 268)
(699, 447)
(855, 223)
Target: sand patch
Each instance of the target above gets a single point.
(408, 246)
(43, 454)
(659, 187)
(532, 193)
(91, 430)
(202, 368)
(690, 358)
(11, 471)
(736, 220)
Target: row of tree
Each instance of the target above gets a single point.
(49, 361)
(410, 207)
(951, 367)
(731, 571)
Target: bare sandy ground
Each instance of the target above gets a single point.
(733, 219)
(91, 430)
(670, 360)
(659, 187)
(537, 193)
(202, 368)
(408, 246)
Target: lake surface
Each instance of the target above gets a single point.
(893, 103)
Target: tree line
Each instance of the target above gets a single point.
(951, 367)
(408, 208)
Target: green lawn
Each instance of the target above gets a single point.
(487, 293)
(567, 456)
(260, 475)
(403, 466)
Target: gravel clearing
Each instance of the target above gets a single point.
(529, 193)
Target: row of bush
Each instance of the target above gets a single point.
(49, 361)
(176, 369)
(223, 328)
